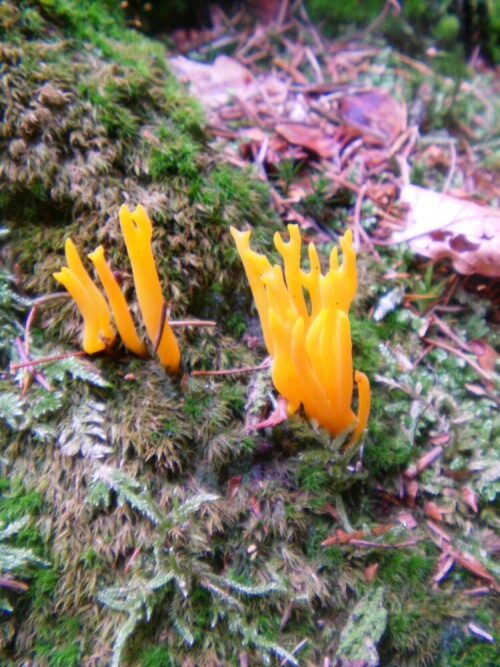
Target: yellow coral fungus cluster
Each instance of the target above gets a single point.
(98, 331)
(309, 340)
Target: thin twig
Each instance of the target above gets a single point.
(450, 333)
(357, 222)
(451, 172)
(422, 355)
(396, 545)
(13, 585)
(50, 297)
(35, 374)
(232, 371)
(343, 182)
(380, 18)
(461, 354)
(282, 12)
(192, 323)
(298, 648)
(27, 327)
(161, 327)
(45, 360)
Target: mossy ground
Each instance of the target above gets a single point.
(169, 536)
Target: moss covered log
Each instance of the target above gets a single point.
(140, 522)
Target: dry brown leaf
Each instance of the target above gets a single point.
(423, 462)
(233, 486)
(312, 138)
(433, 511)
(441, 226)
(374, 114)
(213, 84)
(370, 572)
(411, 486)
(470, 498)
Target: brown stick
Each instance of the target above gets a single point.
(232, 371)
(396, 545)
(192, 323)
(357, 221)
(461, 354)
(45, 360)
(34, 374)
(450, 333)
(161, 327)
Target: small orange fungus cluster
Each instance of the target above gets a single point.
(309, 340)
(98, 310)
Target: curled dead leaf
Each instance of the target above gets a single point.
(376, 115)
(214, 83)
(233, 486)
(370, 572)
(312, 138)
(441, 226)
(470, 498)
(433, 511)
(411, 486)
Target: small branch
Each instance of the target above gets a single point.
(34, 374)
(357, 221)
(192, 323)
(380, 545)
(449, 332)
(461, 354)
(161, 327)
(13, 585)
(423, 354)
(390, 4)
(298, 648)
(36, 362)
(451, 173)
(27, 327)
(232, 371)
(33, 311)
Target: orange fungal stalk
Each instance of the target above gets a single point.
(309, 339)
(98, 333)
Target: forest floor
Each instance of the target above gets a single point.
(145, 521)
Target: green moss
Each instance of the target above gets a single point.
(398, 566)
(177, 157)
(16, 501)
(339, 15)
(60, 645)
(470, 652)
(366, 338)
(43, 590)
(156, 656)
(313, 480)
